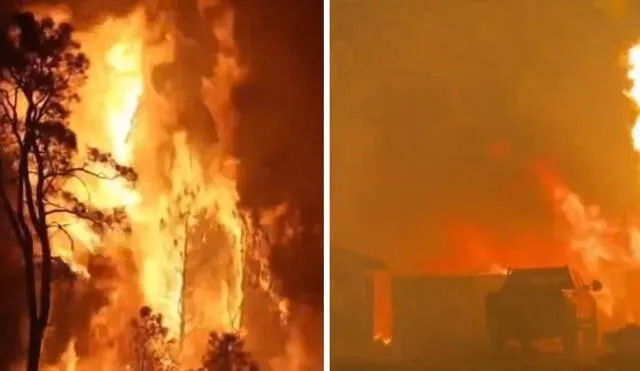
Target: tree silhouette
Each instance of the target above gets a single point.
(152, 350)
(226, 352)
(41, 68)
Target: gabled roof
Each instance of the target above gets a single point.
(354, 260)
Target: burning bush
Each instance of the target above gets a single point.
(226, 352)
(152, 350)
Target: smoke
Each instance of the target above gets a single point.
(85, 13)
(88, 297)
(279, 142)
(441, 119)
(13, 304)
(195, 59)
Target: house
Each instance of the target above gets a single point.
(418, 316)
(352, 302)
(440, 315)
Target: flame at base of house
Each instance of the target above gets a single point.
(382, 339)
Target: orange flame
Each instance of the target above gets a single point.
(597, 246)
(634, 91)
(386, 341)
(121, 113)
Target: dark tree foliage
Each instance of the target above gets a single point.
(152, 350)
(226, 352)
(41, 69)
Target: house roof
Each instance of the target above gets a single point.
(355, 260)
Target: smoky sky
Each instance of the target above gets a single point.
(279, 140)
(439, 109)
(86, 13)
(280, 134)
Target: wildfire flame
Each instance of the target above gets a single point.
(176, 194)
(384, 340)
(598, 247)
(634, 91)
(592, 244)
(162, 218)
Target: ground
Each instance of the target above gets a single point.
(540, 362)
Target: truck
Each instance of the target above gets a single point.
(543, 303)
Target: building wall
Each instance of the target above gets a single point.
(351, 314)
(439, 315)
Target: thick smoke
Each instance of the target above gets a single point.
(86, 13)
(280, 137)
(194, 60)
(12, 304)
(439, 121)
(279, 141)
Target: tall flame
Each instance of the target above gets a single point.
(634, 91)
(177, 195)
(592, 244)
(602, 248)
(123, 112)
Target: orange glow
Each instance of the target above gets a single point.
(584, 239)
(594, 245)
(597, 247)
(118, 94)
(382, 316)
(386, 341)
(634, 91)
(476, 250)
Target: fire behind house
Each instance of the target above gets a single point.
(352, 303)
(378, 315)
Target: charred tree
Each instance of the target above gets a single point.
(41, 68)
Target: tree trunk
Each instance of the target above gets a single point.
(39, 292)
(183, 289)
(35, 333)
(35, 345)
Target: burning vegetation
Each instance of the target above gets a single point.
(120, 188)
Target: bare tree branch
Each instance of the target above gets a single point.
(62, 228)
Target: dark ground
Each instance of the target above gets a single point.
(486, 363)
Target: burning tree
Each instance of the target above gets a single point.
(226, 352)
(41, 68)
(152, 350)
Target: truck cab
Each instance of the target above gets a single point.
(539, 303)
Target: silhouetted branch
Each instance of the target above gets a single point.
(41, 68)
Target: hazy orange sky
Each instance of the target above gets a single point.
(438, 109)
